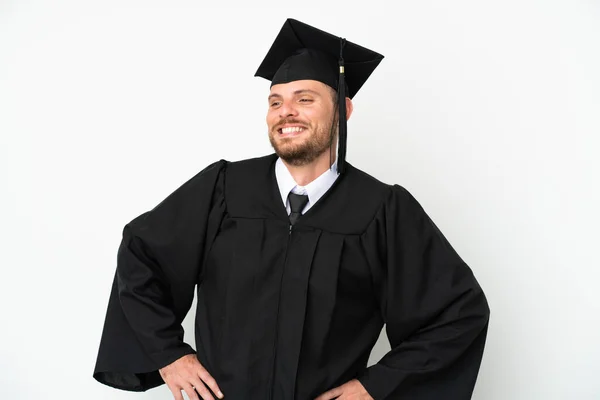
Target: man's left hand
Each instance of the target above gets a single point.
(352, 390)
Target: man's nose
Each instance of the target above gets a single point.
(287, 109)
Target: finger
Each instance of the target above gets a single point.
(202, 390)
(176, 393)
(189, 390)
(210, 382)
(331, 394)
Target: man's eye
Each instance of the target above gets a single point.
(275, 104)
(306, 100)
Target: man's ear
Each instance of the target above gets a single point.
(349, 108)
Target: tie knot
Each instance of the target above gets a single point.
(297, 202)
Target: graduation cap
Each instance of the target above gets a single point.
(301, 51)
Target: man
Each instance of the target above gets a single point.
(298, 259)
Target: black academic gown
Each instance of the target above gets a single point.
(287, 313)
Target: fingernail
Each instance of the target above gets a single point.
(220, 394)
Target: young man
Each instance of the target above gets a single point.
(298, 259)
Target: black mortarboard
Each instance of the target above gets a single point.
(301, 51)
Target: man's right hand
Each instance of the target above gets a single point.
(188, 374)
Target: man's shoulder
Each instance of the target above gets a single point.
(248, 165)
(366, 182)
(252, 164)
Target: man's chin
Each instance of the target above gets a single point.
(296, 157)
(295, 160)
(291, 156)
(285, 147)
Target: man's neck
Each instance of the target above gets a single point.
(305, 174)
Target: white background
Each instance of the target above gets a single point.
(488, 112)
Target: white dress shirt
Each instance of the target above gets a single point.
(315, 190)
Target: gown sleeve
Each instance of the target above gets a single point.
(158, 265)
(435, 312)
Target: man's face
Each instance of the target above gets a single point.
(300, 118)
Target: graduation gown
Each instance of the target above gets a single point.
(289, 312)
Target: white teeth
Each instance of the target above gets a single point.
(292, 129)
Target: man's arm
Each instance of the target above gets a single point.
(435, 311)
(158, 266)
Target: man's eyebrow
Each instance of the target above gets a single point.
(302, 91)
(297, 92)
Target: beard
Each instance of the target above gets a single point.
(302, 151)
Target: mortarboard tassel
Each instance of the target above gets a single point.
(343, 131)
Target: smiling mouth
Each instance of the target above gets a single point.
(290, 130)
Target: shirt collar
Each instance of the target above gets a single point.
(315, 189)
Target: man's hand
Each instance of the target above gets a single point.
(352, 390)
(188, 374)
